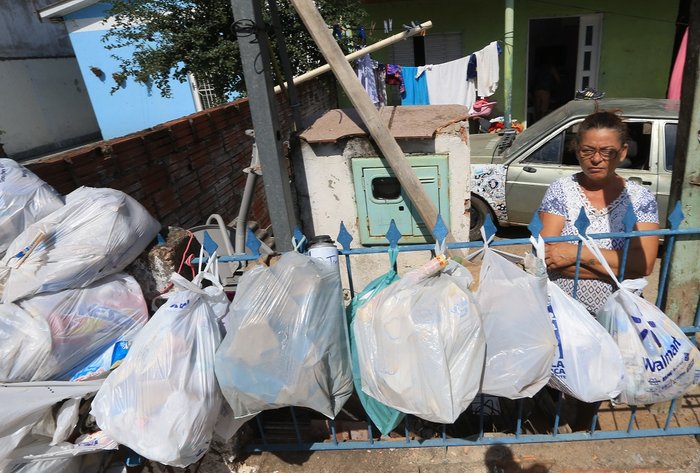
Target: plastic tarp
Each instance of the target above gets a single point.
(97, 233)
(163, 401)
(420, 343)
(287, 341)
(53, 336)
(24, 199)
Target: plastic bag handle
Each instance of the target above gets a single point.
(593, 248)
(539, 246)
(393, 256)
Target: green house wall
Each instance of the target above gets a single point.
(636, 45)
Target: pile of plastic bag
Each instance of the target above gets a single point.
(68, 314)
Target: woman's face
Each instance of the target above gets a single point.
(600, 152)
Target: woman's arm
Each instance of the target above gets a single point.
(562, 256)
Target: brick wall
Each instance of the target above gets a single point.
(184, 170)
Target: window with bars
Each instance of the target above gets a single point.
(206, 96)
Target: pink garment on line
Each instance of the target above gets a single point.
(674, 86)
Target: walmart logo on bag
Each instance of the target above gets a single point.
(664, 360)
(644, 333)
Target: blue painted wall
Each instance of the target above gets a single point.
(134, 106)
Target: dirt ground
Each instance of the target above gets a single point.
(654, 455)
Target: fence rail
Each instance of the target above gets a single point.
(291, 429)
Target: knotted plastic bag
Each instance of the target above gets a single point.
(287, 341)
(97, 233)
(56, 335)
(588, 365)
(660, 362)
(163, 401)
(520, 341)
(24, 199)
(384, 417)
(420, 345)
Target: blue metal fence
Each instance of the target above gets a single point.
(288, 429)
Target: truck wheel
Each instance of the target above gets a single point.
(477, 217)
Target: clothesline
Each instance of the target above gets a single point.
(454, 82)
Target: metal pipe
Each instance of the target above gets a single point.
(242, 219)
(366, 50)
(508, 64)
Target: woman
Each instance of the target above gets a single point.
(605, 196)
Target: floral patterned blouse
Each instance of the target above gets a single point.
(565, 197)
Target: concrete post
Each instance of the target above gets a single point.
(255, 58)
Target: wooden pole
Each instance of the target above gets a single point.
(365, 108)
(367, 50)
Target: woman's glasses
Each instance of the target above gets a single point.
(605, 153)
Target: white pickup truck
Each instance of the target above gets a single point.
(510, 174)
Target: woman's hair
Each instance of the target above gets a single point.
(600, 120)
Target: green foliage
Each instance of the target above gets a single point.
(174, 38)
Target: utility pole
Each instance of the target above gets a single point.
(684, 277)
(255, 58)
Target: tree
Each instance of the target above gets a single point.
(173, 38)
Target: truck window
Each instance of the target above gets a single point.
(638, 145)
(549, 153)
(670, 144)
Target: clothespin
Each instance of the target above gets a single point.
(386, 26)
(391, 28)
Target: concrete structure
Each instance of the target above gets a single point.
(134, 106)
(45, 105)
(329, 196)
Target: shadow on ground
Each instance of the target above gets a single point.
(500, 459)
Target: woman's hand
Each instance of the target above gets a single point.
(560, 255)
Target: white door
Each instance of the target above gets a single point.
(589, 35)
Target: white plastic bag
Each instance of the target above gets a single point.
(25, 342)
(53, 336)
(97, 233)
(24, 405)
(520, 341)
(287, 340)
(420, 344)
(163, 401)
(660, 362)
(588, 365)
(24, 199)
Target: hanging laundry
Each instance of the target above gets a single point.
(674, 87)
(365, 72)
(394, 76)
(380, 80)
(447, 83)
(471, 67)
(416, 86)
(487, 70)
